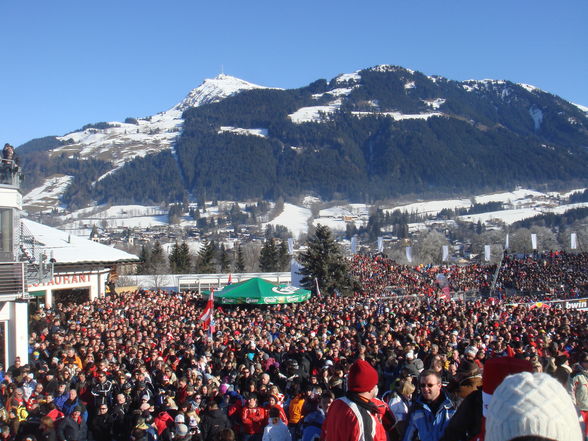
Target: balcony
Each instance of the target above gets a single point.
(10, 173)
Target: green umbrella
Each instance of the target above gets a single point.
(258, 291)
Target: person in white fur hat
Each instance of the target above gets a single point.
(531, 407)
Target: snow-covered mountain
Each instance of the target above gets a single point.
(121, 142)
(213, 90)
(384, 116)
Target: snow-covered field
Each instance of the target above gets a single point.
(118, 216)
(517, 197)
(506, 216)
(294, 218)
(431, 208)
(318, 113)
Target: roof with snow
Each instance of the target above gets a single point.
(70, 249)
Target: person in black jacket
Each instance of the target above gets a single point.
(120, 418)
(73, 427)
(213, 421)
(102, 390)
(101, 425)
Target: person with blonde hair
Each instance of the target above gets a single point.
(399, 405)
(401, 399)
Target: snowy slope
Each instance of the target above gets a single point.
(47, 194)
(122, 216)
(507, 216)
(432, 207)
(294, 218)
(213, 90)
(122, 142)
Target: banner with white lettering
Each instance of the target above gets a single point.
(573, 241)
(380, 244)
(534, 241)
(445, 249)
(409, 254)
(487, 253)
(295, 275)
(354, 245)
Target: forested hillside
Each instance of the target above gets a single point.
(378, 133)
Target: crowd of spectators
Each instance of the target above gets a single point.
(556, 273)
(140, 366)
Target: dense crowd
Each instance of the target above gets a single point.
(556, 273)
(140, 366)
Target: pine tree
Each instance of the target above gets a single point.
(268, 257)
(283, 257)
(324, 261)
(157, 261)
(206, 258)
(180, 259)
(375, 223)
(224, 260)
(145, 257)
(94, 232)
(173, 259)
(184, 259)
(240, 261)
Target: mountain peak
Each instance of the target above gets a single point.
(215, 89)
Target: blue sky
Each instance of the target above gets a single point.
(68, 63)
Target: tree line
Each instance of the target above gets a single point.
(213, 257)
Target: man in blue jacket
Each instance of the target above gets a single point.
(431, 411)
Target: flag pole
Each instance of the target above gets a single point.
(210, 326)
(318, 290)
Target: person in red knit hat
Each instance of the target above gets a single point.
(358, 415)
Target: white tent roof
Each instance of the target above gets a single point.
(67, 248)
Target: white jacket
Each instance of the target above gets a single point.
(276, 432)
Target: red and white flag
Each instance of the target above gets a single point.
(207, 316)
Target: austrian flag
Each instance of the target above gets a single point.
(207, 316)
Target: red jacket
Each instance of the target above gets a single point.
(163, 421)
(253, 419)
(342, 423)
